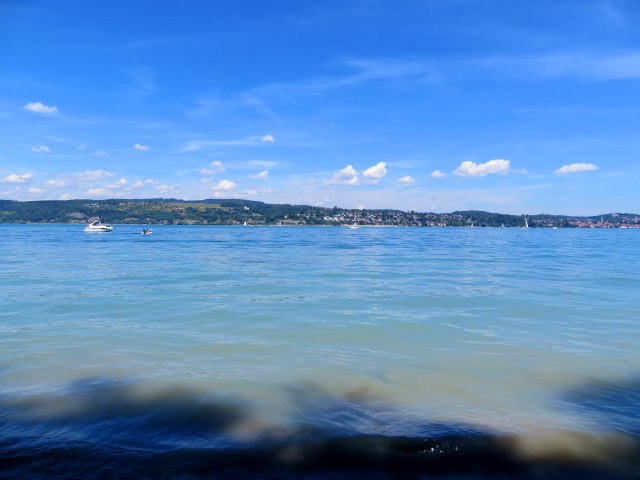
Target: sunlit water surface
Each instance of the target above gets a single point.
(214, 337)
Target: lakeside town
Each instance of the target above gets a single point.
(479, 219)
(248, 212)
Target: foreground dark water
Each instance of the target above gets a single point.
(318, 352)
(108, 428)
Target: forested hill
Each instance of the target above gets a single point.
(237, 211)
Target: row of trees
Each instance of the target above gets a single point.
(233, 211)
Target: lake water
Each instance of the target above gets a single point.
(319, 351)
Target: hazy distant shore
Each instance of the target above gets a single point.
(248, 212)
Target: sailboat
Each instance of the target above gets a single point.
(526, 224)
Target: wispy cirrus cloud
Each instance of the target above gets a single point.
(577, 168)
(260, 175)
(351, 72)
(197, 145)
(585, 65)
(40, 149)
(357, 71)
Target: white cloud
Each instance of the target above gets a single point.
(251, 193)
(407, 179)
(64, 196)
(166, 188)
(268, 138)
(226, 185)
(438, 174)
(15, 178)
(119, 184)
(58, 182)
(472, 169)
(100, 153)
(81, 147)
(35, 190)
(347, 176)
(577, 167)
(376, 172)
(40, 149)
(141, 148)
(97, 191)
(93, 175)
(262, 174)
(144, 183)
(39, 107)
(216, 167)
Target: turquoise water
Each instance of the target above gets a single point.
(220, 337)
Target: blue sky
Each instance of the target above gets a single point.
(430, 105)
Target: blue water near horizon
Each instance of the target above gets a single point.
(220, 337)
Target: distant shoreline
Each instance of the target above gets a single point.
(159, 211)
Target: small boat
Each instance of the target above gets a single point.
(98, 227)
(354, 226)
(146, 231)
(526, 224)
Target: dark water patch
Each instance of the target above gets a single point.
(613, 404)
(342, 457)
(113, 428)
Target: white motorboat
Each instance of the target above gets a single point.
(146, 231)
(98, 227)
